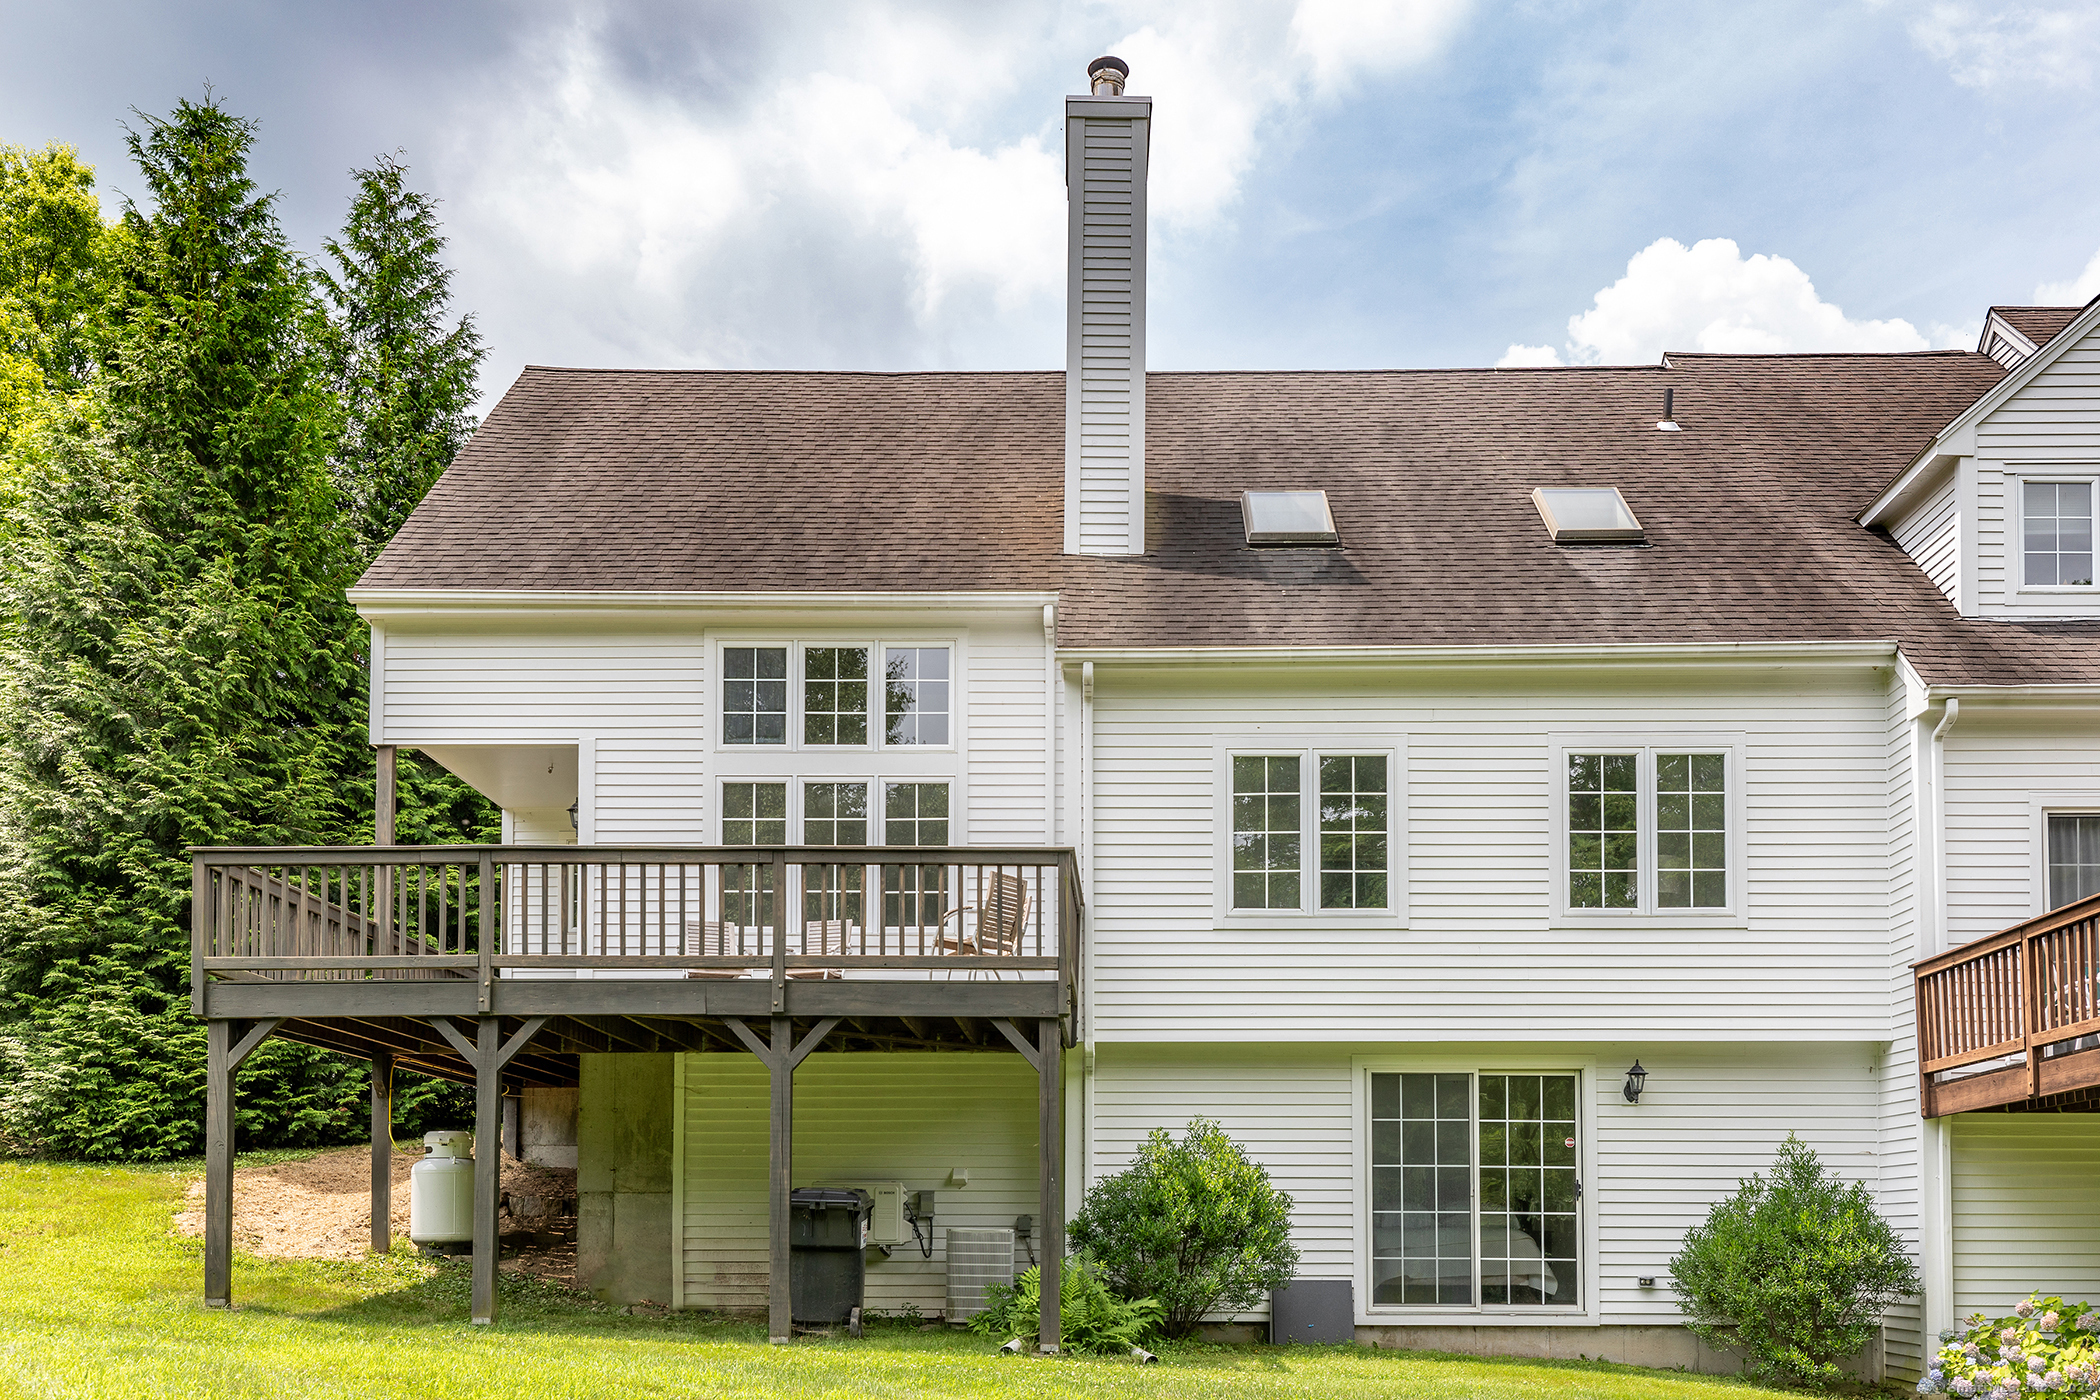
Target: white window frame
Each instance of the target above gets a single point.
(1587, 1118)
(797, 642)
(1308, 749)
(2040, 809)
(2075, 474)
(957, 807)
(1645, 746)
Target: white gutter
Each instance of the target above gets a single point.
(1871, 653)
(397, 602)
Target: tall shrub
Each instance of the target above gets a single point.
(1792, 1272)
(1196, 1224)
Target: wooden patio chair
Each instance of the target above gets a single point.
(711, 938)
(996, 930)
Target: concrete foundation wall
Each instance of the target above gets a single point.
(550, 1127)
(623, 1178)
(1632, 1346)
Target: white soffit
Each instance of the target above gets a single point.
(1587, 515)
(1287, 518)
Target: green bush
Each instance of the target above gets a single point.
(1195, 1224)
(2047, 1344)
(1792, 1273)
(1090, 1317)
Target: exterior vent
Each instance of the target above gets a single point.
(1287, 518)
(1587, 515)
(976, 1259)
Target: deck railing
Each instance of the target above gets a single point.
(1998, 1019)
(391, 913)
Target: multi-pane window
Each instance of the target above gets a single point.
(1267, 844)
(1528, 1236)
(1603, 831)
(915, 695)
(914, 814)
(2057, 517)
(1353, 826)
(1474, 1192)
(835, 814)
(754, 695)
(834, 695)
(1421, 1189)
(2074, 856)
(1691, 830)
(754, 814)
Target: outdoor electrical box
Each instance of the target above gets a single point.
(887, 1226)
(1313, 1310)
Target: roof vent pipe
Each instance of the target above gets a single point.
(1669, 418)
(1106, 75)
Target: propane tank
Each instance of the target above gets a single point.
(441, 1190)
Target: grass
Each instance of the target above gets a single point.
(99, 1298)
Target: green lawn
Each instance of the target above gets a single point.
(98, 1298)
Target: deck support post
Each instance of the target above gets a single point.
(383, 796)
(780, 1055)
(488, 1053)
(1050, 1153)
(382, 1152)
(226, 1044)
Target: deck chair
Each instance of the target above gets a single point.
(996, 929)
(710, 938)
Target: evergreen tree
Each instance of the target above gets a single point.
(51, 245)
(406, 379)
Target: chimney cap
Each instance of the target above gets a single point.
(1110, 63)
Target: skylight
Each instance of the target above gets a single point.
(1587, 515)
(1287, 517)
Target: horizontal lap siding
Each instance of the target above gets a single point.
(1007, 691)
(2026, 1208)
(1481, 941)
(2053, 421)
(1901, 1135)
(1930, 535)
(1711, 1115)
(1996, 773)
(859, 1118)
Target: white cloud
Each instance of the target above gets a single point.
(1341, 38)
(2076, 292)
(1528, 357)
(2026, 45)
(1710, 297)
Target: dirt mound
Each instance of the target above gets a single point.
(321, 1207)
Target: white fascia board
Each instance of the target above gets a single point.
(1958, 438)
(1804, 653)
(375, 604)
(2080, 696)
(1918, 480)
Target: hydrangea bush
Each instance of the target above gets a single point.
(2047, 1346)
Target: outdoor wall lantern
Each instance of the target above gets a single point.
(574, 825)
(1636, 1080)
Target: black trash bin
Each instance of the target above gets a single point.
(827, 1271)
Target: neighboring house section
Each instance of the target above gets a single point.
(984, 771)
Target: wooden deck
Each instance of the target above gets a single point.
(2013, 1018)
(498, 966)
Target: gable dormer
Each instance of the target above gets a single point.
(1999, 511)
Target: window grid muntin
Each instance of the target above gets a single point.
(2056, 526)
(1529, 1190)
(1421, 1189)
(754, 813)
(834, 813)
(2073, 856)
(1603, 830)
(754, 695)
(914, 814)
(834, 696)
(1267, 831)
(1691, 830)
(918, 695)
(1355, 817)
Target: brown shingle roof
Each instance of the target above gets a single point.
(2040, 324)
(642, 480)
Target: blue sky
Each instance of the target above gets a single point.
(1337, 183)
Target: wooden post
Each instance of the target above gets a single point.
(780, 1300)
(218, 1164)
(1050, 1150)
(488, 1163)
(383, 798)
(382, 1152)
(780, 1057)
(223, 1052)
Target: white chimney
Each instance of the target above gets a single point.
(1107, 138)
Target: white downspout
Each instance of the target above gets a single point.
(1049, 724)
(1936, 1142)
